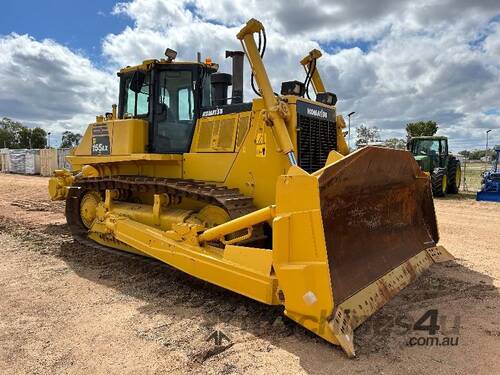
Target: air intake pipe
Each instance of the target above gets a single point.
(220, 83)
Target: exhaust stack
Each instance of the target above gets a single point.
(237, 94)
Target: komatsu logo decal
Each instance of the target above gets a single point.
(317, 112)
(212, 112)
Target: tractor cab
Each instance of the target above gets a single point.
(429, 152)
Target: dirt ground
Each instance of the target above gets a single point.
(66, 308)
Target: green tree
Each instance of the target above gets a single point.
(70, 139)
(14, 134)
(24, 138)
(10, 133)
(464, 153)
(365, 135)
(421, 128)
(478, 154)
(397, 143)
(38, 138)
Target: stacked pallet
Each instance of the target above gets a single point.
(48, 161)
(24, 161)
(32, 162)
(43, 162)
(62, 163)
(17, 161)
(52, 159)
(4, 160)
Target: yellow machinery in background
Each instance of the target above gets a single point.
(261, 198)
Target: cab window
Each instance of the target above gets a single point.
(185, 102)
(136, 104)
(206, 99)
(444, 147)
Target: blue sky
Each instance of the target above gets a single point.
(79, 25)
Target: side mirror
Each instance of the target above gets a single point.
(160, 108)
(137, 81)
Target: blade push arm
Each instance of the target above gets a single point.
(276, 110)
(309, 62)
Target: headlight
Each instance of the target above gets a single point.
(293, 88)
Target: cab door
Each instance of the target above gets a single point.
(443, 153)
(175, 109)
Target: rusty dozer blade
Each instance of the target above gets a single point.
(379, 233)
(377, 213)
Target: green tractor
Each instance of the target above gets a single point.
(431, 154)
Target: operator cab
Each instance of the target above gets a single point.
(436, 148)
(169, 96)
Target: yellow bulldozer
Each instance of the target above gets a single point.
(262, 198)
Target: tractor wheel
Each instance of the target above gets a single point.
(454, 176)
(439, 180)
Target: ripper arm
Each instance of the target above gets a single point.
(276, 110)
(309, 62)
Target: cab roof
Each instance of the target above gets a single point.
(431, 137)
(148, 65)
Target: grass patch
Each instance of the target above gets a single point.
(472, 172)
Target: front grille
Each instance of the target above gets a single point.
(315, 139)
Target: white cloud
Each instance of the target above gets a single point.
(431, 60)
(45, 84)
(492, 42)
(156, 15)
(392, 61)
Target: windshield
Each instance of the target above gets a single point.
(425, 147)
(176, 112)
